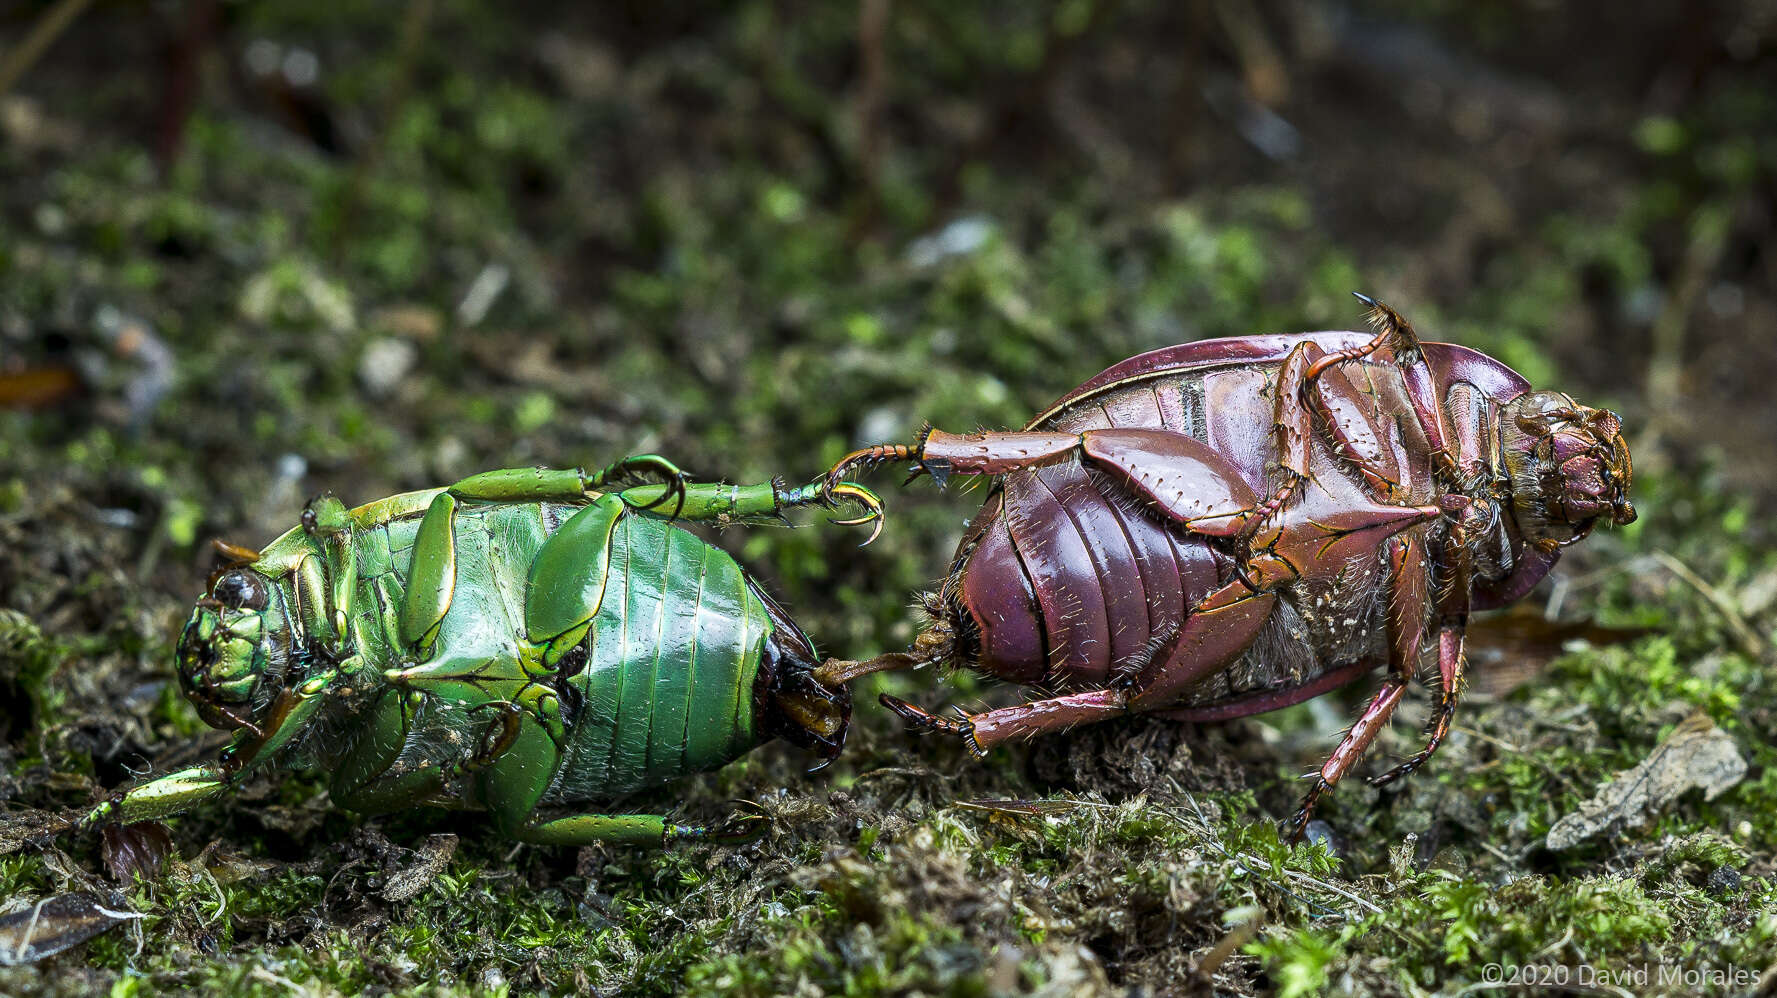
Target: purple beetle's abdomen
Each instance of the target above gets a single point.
(1067, 582)
(996, 596)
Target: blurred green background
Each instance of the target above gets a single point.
(250, 252)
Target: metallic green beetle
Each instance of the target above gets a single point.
(526, 642)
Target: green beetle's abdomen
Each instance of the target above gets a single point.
(665, 685)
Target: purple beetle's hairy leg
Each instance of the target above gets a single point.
(1405, 622)
(1453, 608)
(981, 732)
(1179, 477)
(1299, 399)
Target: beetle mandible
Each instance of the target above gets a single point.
(1230, 526)
(528, 642)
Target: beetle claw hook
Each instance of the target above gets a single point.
(872, 505)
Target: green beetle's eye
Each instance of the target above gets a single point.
(241, 590)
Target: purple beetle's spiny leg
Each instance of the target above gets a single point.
(1215, 633)
(1405, 623)
(984, 731)
(1422, 384)
(1300, 397)
(1349, 751)
(1451, 665)
(925, 720)
(1182, 477)
(1453, 610)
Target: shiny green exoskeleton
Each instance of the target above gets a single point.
(528, 642)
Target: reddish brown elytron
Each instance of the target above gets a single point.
(1231, 526)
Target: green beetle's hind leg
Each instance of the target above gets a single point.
(647, 469)
(720, 502)
(641, 829)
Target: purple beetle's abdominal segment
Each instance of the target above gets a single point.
(1231, 526)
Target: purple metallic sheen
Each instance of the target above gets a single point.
(1113, 570)
(1263, 701)
(1054, 557)
(997, 595)
(1179, 474)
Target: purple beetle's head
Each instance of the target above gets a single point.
(1569, 466)
(234, 650)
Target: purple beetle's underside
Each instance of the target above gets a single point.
(1231, 526)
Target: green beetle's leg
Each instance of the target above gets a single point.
(766, 501)
(638, 829)
(641, 467)
(431, 575)
(161, 798)
(326, 520)
(178, 792)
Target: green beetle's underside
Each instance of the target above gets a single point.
(672, 651)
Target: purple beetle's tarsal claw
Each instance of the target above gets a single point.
(1366, 299)
(924, 720)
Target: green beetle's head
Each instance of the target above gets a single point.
(235, 649)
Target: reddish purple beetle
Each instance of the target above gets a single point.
(1155, 545)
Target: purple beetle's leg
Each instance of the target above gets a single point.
(1182, 477)
(1300, 396)
(1422, 385)
(983, 731)
(1216, 632)
(1405, 621)
(1453, 607)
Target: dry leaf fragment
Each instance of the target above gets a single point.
(1698, 754)
(55, 924)
(430, 860)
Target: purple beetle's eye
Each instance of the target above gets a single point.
(241, 590)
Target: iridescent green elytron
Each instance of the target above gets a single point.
(525, 642)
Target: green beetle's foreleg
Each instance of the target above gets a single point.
(639, 829)
(327, 521)
(160, 798)
(177, 792)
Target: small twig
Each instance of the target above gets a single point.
(873, 19)
(1751, 642)
(1237, 937)
(43, 34)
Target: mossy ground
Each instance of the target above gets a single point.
(693, 247)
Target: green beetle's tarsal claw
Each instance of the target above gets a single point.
(648, 469)
(749, 824)
(872, 505)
